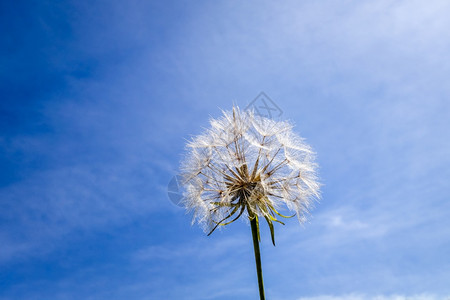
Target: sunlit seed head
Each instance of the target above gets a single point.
(248, 165)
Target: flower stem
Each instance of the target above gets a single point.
(255, 233)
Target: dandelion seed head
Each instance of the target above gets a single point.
(248, 165)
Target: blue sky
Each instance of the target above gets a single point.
(99, 98)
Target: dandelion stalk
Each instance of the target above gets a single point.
(247, 165)
(255, 233)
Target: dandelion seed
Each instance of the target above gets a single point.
(247, 165)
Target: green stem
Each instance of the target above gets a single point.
(255, 233)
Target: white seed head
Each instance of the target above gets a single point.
(245, 164)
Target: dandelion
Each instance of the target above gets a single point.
(248, 166)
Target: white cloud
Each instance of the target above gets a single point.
(377, 297)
